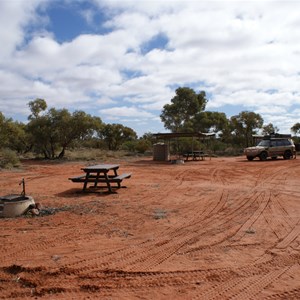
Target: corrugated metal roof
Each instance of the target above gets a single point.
(171, 135)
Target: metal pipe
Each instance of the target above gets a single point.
(23, 185)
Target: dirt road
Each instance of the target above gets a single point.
(223, 228)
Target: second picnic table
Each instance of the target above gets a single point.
(100, 174)
(195, 155)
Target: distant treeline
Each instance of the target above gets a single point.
(49, 132)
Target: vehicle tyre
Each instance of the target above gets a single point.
(250, 158)
(287, 154)
(263, 156)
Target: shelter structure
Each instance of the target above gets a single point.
(172, 135)
(162, 150)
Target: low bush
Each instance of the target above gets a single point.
(92, 154)
(8, 159)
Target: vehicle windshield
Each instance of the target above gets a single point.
(264, 143)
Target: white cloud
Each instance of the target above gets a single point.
(14, 16)
(119, 112)
(88, 15)
(243, 53)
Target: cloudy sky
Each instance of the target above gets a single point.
(122, 60)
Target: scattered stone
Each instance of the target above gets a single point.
(35, 211)
(38, 206)
(55, 257)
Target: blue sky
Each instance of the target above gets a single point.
(123, 60)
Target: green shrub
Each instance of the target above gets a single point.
(129, 146)
(8, 159)
(142, 146)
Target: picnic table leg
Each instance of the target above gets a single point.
(96, 180)
(86, 181)
(116, 174)
(107, 181)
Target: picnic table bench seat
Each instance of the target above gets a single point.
(120, 177)
(93, 178)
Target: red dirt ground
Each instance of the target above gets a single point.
(223, 228)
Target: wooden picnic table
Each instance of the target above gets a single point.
(195, 155)
(101, 176)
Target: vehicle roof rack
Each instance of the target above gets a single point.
(277, 136)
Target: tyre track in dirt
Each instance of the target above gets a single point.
(252, 279)
(286, 294)
(242, 288)
(153, 253)
(37, 244)
(290, 237)
(249, 223)
(119, 255)
(239, 283)
(281, 225)
(185, 238)
(291, 295)
(226, 223)
(226, 281)
(156, 251)
(272, 207)
(277, 180)
(248, 196)
(285, 227)
(286, 223)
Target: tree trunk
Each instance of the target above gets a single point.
(62, 153)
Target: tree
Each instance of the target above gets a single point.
(12, 135)
(142, 145)
(70, 127)
(18, 137)
(57, 129)
(42, 136)
(115, 135)
(296, 128)
(148, 136)
(244, 125)
(36, 106)
(4, 133)
(178, 115)
(269, 129)
(210, 121)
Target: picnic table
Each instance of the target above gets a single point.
(195, 155)
(101, 176)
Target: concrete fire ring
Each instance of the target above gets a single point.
(15, 205)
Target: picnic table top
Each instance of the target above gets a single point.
(100, 167)
(196, 151)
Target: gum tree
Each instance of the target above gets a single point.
(244, 125)
(114, 135)
(296, 128)
(55, 130)
(178, 116)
